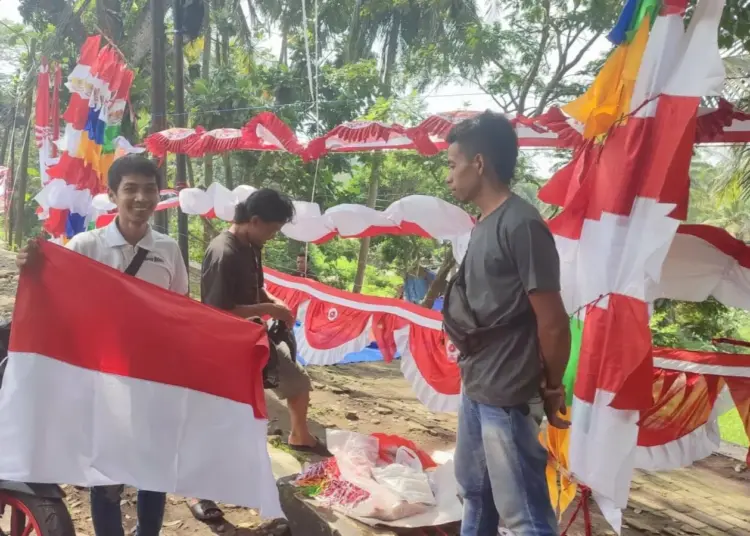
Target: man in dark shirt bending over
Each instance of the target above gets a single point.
(511, 279)
(232, 280)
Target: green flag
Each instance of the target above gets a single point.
(569, 379)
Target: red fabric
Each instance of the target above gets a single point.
(711, 126)
(329, 326)
(293, 298)
(42, 104)
(220, 140)
(55, 111)
(123, 92)
(173, 341)
(77, 112)
(427, 347)
(74, 170)
(105, 219)
(739, 388)
(349, 137)
(172, 141)
(383, 326)
(90, 50)
(389, 444)
(722, 359)
(277, 128)
(721, 240)
(56, 221)
(369, 303)
(682, 403)
(647, 157)
(615, 353)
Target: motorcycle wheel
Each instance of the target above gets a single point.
(34, 516)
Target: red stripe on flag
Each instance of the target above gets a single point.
(616, 353)
(647, 157)
(717, 359)
(721, 240)
(86, 314)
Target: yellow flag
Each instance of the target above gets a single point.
(608, 98)
(562, 489)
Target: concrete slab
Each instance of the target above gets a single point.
(283, 464)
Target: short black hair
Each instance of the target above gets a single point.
(269, 205)
(132, 164)
(494, 137)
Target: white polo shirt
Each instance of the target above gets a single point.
(163, 265)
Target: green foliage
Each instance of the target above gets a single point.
(693, 325)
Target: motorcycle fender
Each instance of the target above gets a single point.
(49, 491)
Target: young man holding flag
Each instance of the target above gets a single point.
(505, 314)
(129, 245)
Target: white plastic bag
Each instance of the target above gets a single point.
(410, 484)
(357, 458)
(406, 456)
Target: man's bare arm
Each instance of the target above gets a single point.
(267, 297)
(248, 311)
(553, 326)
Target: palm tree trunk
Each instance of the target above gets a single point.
(19, 188)
(19, 184)
(228, 179)
(9, 217)
(364, 244)
(283, 59)
(4, 145)
(352, 50)
(190, 173)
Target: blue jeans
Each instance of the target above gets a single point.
(500, 469)
(106, 513)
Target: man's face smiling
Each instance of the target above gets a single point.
(136, 198)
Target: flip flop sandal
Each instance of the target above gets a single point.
(205, 510)
(319, 449)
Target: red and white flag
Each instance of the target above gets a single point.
(112, 380)
(622, 204)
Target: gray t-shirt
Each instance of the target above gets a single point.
(511, 254)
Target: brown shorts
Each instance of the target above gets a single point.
(293, 380)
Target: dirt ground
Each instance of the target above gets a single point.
(709, 498)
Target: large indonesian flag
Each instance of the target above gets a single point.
(113, 380)
(622, 201)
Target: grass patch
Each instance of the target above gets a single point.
(277, 443)
(732, 430)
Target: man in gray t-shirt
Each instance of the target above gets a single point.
(507, 300)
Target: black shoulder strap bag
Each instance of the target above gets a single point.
(465, 331)
(137, 262)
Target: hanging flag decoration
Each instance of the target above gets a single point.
(45, 113)
(622, 199)
(99, 86)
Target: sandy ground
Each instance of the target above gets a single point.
(370, 397)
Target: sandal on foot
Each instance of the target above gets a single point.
(205, 510)
(319, 449)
